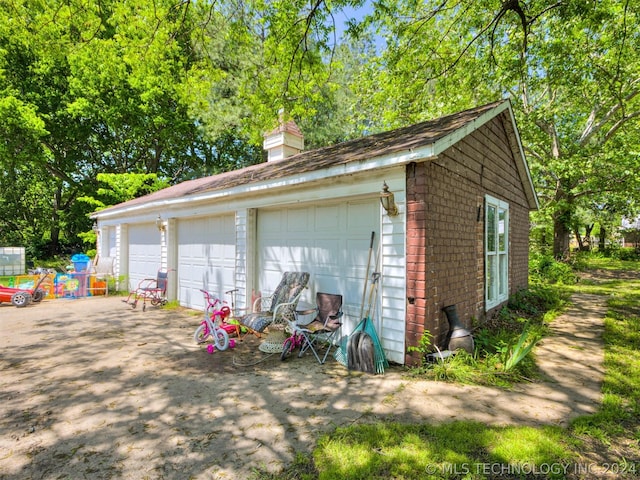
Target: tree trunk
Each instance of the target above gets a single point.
(560, 237)
(562, 216)
(576, 233)
(602, 240)
(587, 236)
(561, 223)
(54, 243)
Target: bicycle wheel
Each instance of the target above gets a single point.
(286, 349)
(202, 332)
(221, 339)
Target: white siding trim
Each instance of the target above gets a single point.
(169, 253)
(393, 269)
(245, 244)
(122, 262)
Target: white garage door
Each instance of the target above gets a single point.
(206, 258)
(330, 241)
(144, 252)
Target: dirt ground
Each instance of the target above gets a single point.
(93, 389)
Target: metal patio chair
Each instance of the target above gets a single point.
(276, 308)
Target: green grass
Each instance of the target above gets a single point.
(618, 418)
(471, 450)
(392, 450)
(463, 449)
(598, 262)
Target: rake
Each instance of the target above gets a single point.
(353, 345)
(381, 362)
(366, 326)
(369, 328)
(340, 353)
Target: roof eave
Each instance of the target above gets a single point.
(422, 153)
(521, 162)
(372, 164)
(514, 142)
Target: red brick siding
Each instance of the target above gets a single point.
(445, 230)
(416, 256)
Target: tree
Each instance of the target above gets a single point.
(572, 70)
(177, 89)
(101, 87)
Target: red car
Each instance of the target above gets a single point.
(19, 298)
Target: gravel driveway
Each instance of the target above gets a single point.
(93, 389)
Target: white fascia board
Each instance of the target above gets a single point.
(377, 163)
(523, 166)
(449, 140)
(521, 163)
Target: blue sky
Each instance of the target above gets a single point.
(342, 16)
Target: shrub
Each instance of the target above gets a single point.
(536, 301)
(503, 344)
(424, 347)
(521, 348)
(546, 269)
(626, 254)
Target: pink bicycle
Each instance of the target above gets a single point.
(213, 323)
(291, 343)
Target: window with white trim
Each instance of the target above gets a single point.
(496, 251)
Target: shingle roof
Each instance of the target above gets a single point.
(381, 144)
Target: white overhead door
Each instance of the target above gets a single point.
(330, 241)
(145, 253)
(206, 258)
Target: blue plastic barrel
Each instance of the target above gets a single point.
(80, 262)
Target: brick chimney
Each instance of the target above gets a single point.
(285, 141)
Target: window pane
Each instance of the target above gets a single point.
(491, 228)
(503, 280)
(502, 215)
(496, 251)
(491, 277)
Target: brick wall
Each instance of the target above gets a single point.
(416, 257)
(445, 230)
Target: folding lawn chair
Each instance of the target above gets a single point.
(152, 289)
(276, 308)
(325, 325)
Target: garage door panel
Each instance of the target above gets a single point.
(327, 219)
(272, 225)
(298, 220)
(145, 253)
(206, 258)
(359, 217)
(326, 257)
(273, 256)
(322, 240)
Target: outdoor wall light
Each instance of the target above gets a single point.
(95, 228)
(387, 201)
(160, 224)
